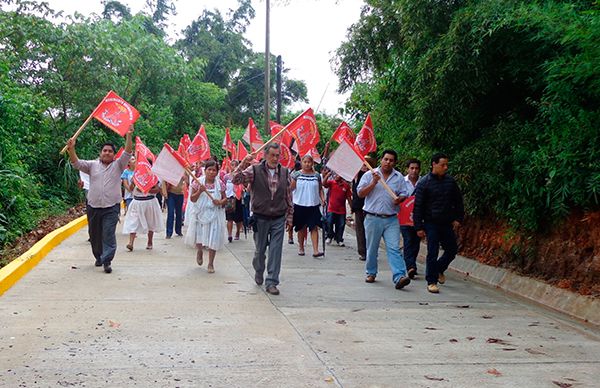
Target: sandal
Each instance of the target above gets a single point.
(199, 258)
(149, 247)
(129, 247)
(301, 253)
(320, 254)
(210, 270)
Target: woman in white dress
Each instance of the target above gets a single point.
(206, 227)
(143, 216)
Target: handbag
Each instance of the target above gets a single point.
(230, 205)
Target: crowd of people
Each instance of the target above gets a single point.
(270, 200)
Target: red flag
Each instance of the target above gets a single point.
(285, 138)
(228, 145)
(342, 132)
(238, 189)
(346, 161)
(365, 141)
(169, 165)
(143, 177)
(405, 215)
(184, 144)
(304, 130)
(186, 195)
(241, 151)
(315, 155)
(252, 136)
(119, 153)
(200, 148)
(116, 113)
(286, 158)
(226, 165)
(141, 149)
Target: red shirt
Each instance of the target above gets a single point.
(338, 193)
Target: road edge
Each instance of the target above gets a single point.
(19, 267)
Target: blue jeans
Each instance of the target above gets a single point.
(336, 224)
(411, 243)
(389, 229)
(174, 213)
(439, 234)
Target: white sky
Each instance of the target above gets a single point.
(304, 32)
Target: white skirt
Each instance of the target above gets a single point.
(143, 217)
(211, 235)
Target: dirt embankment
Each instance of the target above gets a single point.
(568, 256)
(23, 243)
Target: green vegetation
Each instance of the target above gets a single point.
(510, 89)
(55, 70)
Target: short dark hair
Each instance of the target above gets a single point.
(391, 152)
(111, 145)
(436, 157)
(271, 145)
(413, 161)
(211, 163)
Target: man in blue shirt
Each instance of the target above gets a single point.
(380, 217)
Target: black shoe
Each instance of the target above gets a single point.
(272, 290)
(291, 242)
(230, 239)
(107, 268)
(403, 281)
(258, 278)
(98, 263)
(412, 272)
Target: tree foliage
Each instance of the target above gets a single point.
(511, 89)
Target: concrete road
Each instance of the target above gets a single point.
(160, 320)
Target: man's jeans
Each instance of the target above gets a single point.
(411, 243)
(102, 223)
(268, 232)
(336, 224)
(174, 213)
(439, 234)
(389, 229)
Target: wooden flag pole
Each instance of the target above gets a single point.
(79, 130)
(194, 177)
(385, 185)
(262, 147)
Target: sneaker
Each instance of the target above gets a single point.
(341, 244)
(402, 282)
(370, 279)
(441, 278)
(107, 268)
(272, 290)
(412, 272)
(433, 288)
(328, 241)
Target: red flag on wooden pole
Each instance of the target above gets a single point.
(286, 138)
(252, 136)
(140, 148)
(286, 158)
(365, 140)
(304, 130)
(241, 151)
(116, 113)
(228, 145)
(200, 148)
(342, 132)
(143, 177)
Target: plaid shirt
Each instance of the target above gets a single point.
(245, 174)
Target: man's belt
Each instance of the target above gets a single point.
(380, 215)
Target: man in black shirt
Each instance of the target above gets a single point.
(438, 212)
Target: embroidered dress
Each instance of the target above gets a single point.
(206, 220)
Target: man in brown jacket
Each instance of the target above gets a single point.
(272, 208)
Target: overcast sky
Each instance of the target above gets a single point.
(304, 32)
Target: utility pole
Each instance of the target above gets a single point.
(279, 68)
(267, 70)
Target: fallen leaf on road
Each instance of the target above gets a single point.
(464, 306)
(435, 378)
(423, 303)
(329, 379)
(470, 338)
(487, 316)
(497, 341)
(509, 349)
(430, 328)
(494, 372)
(341, 322)
(74, 267)
(562, 385)
(114, 324)
(230, 282)
(453, 340)
(508, 334)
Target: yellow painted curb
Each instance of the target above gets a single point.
(16, 269)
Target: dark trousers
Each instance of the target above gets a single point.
(411, 243)
(102, 224)
(174, 213)
(335, 226)
(359, 228)
(439, 234)
(268, 232)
